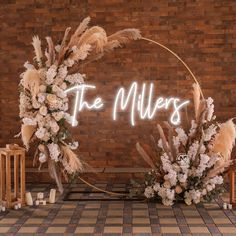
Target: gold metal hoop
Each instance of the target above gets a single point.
(194, 79)
(179, 59)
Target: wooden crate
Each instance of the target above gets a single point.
(12, 183)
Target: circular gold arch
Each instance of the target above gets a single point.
(194, 79)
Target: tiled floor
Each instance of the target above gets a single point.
(118, 218)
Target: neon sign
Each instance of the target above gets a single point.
(141, 103)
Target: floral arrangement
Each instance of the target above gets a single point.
(43, 102)
(189, 163)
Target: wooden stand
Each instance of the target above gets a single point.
(232, 173)
(12, 157)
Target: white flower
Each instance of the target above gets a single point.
(43, 110)
(75, 78)
(40, 132)
(50, 74)
(35, 104)
(63, 86)
(167, 202)
(149, 192)
(156, 187)
(42, 157)
(58, 115)
(42, 88)
(210, 108)
(27, 65)
(160, 144)
(69, 62)
(41, 97)
(210, 132)
(181, 135)
(62, 72)
(73, 145)
(29, 121)
(54, 126)
(54, 151)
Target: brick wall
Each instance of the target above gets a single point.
(202, 32)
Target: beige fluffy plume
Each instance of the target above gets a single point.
(31, 81)
(73, 161)
(37, 49)
(225, 140)
(27, 132)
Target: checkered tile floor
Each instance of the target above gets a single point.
(113, 218)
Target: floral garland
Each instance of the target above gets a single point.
(189, 164)
(43, 102)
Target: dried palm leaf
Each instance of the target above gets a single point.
(27, 132)
(81, 28)
(73, 162)
(145, 156)
(31, 81)
(51, 51)
(225, 140)
(37, 49)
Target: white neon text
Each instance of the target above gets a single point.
(80, 103)
(137, 102)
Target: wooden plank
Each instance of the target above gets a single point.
(1, 177)
(8, 180)
(232, 186)
(16, 175)
(22, 179)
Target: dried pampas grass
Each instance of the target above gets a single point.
(124, 36)
(27, 132)
(225, 140)
(37, 50)
(31, 81)
(73, 162)
(196, 100)
(81, 53)
(81, 28)
(51, 52)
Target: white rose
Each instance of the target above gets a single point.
(42, 157)
(43, 110)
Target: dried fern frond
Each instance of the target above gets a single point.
(31, 81)
(111, 45)
(37, 49)
(125, 36)
(81, 28)
(145, 156)
(27, 132)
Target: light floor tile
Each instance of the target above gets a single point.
(199, 230)
(194, 221)
(8, 220)
(142, 230)
(25, 230)
(56, 230)
(34, 221)
(4, 229)
(84, 230)
(227, 230)
(141, 221)
(167, 221)
(113, 230)
(114, 220)
(221, 221)
(170, 230)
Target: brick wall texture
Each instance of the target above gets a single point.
(202, 33)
